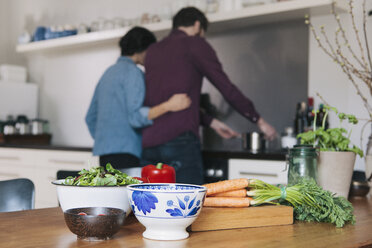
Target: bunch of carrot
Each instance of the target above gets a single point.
(228, 193)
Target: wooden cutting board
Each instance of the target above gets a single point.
(229, 218)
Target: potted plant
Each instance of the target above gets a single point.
(351, 52)
(336, 154)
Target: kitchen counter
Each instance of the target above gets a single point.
(244, 154)
(46, 228)
(223, 153)
(48, 147)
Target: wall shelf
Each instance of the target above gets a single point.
(221, 21)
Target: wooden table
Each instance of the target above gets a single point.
(46, 228)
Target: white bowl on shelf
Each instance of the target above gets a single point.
(70, 196)
(166, 209)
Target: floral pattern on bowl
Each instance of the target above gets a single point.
(145, 201)
(184, 208)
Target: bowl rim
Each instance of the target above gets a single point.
(121, 212)
(198, 188)
(59, 183)
(360, 183)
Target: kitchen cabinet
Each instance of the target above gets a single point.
(41, 167)
(270, 171)
(228, 163)
(220, 21)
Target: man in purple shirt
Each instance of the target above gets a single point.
(177, 64)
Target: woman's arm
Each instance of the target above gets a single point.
(175, 103)
(134, 93)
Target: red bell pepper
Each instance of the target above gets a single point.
(161, 173)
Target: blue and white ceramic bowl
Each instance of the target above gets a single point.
(166, 209)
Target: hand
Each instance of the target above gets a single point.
(223, 130)
(267, 129)
(178, 102)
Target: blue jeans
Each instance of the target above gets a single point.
(183, 153)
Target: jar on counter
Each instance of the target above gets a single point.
(302, 160)
(22, 126)
(9, 128)
(37, 126)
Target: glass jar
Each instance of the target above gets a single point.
(302, 160)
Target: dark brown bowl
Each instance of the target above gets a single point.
(359, 189)
(100, 223)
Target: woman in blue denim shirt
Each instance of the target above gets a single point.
(116, 115)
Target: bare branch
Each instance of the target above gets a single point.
(337, 18)
(323, 100)
(356, 31)
(362, 69)
(346, 70)
(366, 40)
(326, 103)
(331, 53)
(359, 92)
(363, 75)
(362, 132)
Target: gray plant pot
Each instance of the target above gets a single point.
(335, 170)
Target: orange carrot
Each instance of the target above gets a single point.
(227, 185)
(234, 193)
(234, 202)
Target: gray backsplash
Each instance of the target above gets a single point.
(269, 63)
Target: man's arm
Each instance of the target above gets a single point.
(219, 127)
(267, 129)
(223, 130)
(205, 119)
(205, 60)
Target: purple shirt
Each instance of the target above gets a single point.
(177, 64)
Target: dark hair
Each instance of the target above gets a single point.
(136, 40)
(187, 17)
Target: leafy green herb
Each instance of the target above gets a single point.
(331, 139)
(310, 201)
(98, 176)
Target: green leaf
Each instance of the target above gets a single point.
(307, 137)
(356, 150)
(332, 139)
(343, 145)
(352, 119)
(342, 116)
(98, 176)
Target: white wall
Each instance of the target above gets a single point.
(67, 77)
(327, 78)
(4, 31)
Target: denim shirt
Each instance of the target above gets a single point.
(115, 115)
